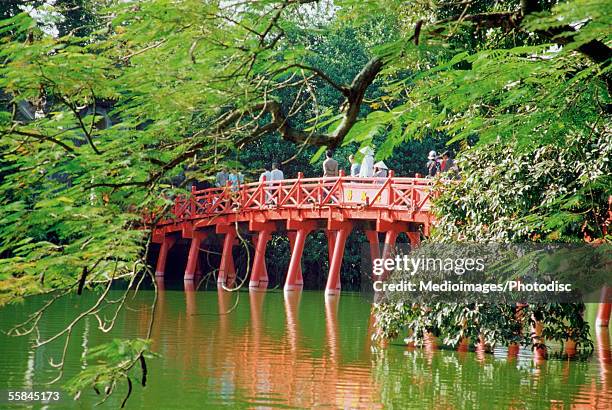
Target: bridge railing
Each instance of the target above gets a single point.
(391, 193)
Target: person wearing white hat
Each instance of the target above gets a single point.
(381, 170)
(367, 164)
(433, 165)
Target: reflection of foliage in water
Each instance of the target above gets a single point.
(452, 380)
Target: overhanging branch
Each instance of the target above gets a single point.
(279, 121)
(596, 50)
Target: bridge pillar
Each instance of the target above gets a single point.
(227, 270)
(605, 307)
(299, 279)
(331, 243)
(343, 229)
(391, 229)
(374, 245)
(415, 239)
(294, 280)
(259, 273)
(194, 253)
(390, 238)
(166, 245)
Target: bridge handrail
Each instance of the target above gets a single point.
(393, 193)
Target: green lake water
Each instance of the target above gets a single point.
(273, 351)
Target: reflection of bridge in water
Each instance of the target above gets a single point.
(245, 359)
(377, 206)
(265, 356)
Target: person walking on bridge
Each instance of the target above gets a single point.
(381, 170)
(366, 170)
(267, 175)
(447, 164)
(236, 179)
(222, 178)
(433, 164)
(330, 165)
(276, 174)
(354, 166)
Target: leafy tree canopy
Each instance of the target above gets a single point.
(105, 106)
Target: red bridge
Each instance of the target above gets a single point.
(299, 206)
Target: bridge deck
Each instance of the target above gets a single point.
(390, 205)
(390, 199)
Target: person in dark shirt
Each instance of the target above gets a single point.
(447, 164)
(330, 165)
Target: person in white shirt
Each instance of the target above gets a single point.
(354, 166)
(367, 164)
(276, 174)
(267, 174)
(222, 178)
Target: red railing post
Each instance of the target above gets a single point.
(262, 184)
(192, 202)
(299, 189)
(391, 199)
(243, 196)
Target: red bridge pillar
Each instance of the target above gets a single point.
(194, 253)
(343, 229)
(259, 273)
(331, 244)
(392, 230)
(294, 280)
(374, 245)
(227, 270)
(298, 281)
(415, 239)
(605, 307)
(166, 245)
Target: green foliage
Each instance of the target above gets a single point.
(540, 168)
(496, 324)
(555, 192)
(116, 362)
(101, 118)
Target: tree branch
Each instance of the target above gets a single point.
(41, 137)
(342, 88)
(596, 50)
(279, 122)
(87, 134)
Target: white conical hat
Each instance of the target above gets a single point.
(380, 165)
